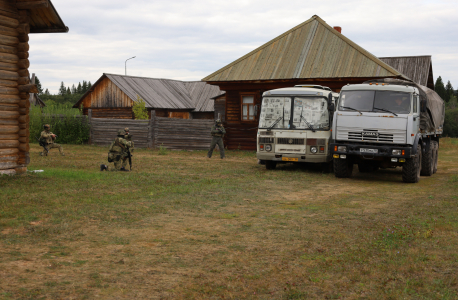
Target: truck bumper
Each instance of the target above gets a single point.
(311, 158)
(381, 151)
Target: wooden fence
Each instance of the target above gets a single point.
(170, 133)
(189, 134)
(104, 131)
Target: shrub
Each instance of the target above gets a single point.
(139, 109)
(69, 124)
(451, 123)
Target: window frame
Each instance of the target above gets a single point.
(255, 119)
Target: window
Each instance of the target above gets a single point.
(415, 102)
(248, 113)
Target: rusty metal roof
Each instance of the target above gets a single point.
(312, 49)
(164, 93)
(418, 68)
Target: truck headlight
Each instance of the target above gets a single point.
(342, 148)
(268, 147)
(396, 152)
(313, 149)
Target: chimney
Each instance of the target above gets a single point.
(338, 28)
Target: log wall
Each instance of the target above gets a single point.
(14, 88)
(104, 131)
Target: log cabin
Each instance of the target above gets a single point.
(112, 96)
(19, 18)
(310, 53)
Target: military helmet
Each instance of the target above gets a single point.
(126, 130)
(121, 132)
(47, 126)
(217, 121)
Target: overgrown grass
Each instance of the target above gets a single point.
(181, 226)
(68, 123)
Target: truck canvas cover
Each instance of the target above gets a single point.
(433, 118)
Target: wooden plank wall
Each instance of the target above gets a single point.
(220, 108)
(111, 113)
(185, 134)
(14, 88)
(107, 95)
(104, 131)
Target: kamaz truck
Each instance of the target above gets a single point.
(295, 124)
(387, 123)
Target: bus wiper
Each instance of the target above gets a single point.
(386, 110)
(347, 107)
(274, 123)
(308, 124)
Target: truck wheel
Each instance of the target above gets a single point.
(436, 155)
(427, 161)
(270, 164)
(342, 168)
(412, 167)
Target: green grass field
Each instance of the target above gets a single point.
(180, 226)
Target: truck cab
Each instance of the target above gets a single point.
(378, 125)
(295, 125)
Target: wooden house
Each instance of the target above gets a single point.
(18, 18)
(112, 96)
(418, 68)
(311, 53)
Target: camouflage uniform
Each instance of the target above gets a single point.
(118, 151)
(218, 133)
(128, 137)
(48, 138)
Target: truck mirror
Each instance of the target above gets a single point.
(422, 105)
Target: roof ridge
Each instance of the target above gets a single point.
(149, 77)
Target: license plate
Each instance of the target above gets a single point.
(289, 159)
(365, 150)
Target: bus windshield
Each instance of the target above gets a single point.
(303, 113)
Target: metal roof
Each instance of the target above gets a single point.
(164, 93)
(312, 49)
(417, 68)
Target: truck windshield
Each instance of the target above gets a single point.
(296, 114)
(375, 101)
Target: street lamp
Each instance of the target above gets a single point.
(125, 64)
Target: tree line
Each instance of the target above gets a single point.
(450, 97)
(67, 95)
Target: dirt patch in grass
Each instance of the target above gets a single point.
(181, 226)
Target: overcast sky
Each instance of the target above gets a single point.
(188, 40)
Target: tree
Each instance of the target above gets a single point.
(440, 88)
(62, 89)
(68, 91)
(38, 83)
(89, 85)
(449, 91)
(84, 87)
(78, 89)
(73, 89)
(139, 109)
(47, 93)
(452, 103)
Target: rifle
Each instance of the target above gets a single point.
(130, 158)
(42, 144)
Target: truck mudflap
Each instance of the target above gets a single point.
(371, 151)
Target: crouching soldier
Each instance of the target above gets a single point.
(217, 133)
(48, 138)
(119, 151)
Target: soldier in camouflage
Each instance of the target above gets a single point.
(118, 151)
(128, 137)
(217, 133)
(47, 137)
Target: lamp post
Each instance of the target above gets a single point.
(125, 65)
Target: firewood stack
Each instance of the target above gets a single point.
(14, 89)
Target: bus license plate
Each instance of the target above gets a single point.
(289, 159)
(365, 150)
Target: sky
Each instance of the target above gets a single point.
(190, 39)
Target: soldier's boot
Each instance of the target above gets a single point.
(103, 167)
(124, 169)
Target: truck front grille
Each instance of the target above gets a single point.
(266, 140)
(290, 141)
(380, 137)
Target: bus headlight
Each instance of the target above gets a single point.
(342, 148)
(313, 149)
(268, 147)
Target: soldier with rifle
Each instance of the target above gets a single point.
(47, 139)
(119, 153)
(217, 133)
